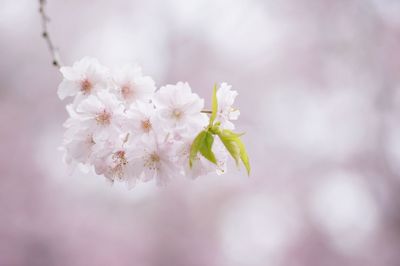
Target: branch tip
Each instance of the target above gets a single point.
(45, 34)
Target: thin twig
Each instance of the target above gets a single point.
(206, 111)
(45, 34)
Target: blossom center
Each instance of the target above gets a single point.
(86, 86)
(146, 125)
(127, 92)
(103, 118)
(120, 155)
(152, 161)
(155, 158)
(177, 113)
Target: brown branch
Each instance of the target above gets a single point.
(206, 111)
(56, 61)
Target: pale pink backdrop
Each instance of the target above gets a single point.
(319, 94)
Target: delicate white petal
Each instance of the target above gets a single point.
(70, 73)
(91, 105)
(66, 89)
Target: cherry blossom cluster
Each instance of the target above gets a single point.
(125, 129)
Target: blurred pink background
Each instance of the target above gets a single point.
(318, 85)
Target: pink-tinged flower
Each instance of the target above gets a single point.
(226, 113)
(84, 78)
(112, 162)
(132, 86)
(154, 160)
(101, 114)
(78, 145)
(178, 106)
(141, 120)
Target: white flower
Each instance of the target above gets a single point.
(101, 114)
(154, 159)
(78, 145)
(141, 120)
(84, 78)
(226, 113)
(132, 86)
(178, 106)
(112, 162)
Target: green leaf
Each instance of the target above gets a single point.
(230, 144)
(228, 134)
(206, 148)
(195, 147)
(235, 147)
(243, 155)
(214, 105)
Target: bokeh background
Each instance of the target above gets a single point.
(320, 102)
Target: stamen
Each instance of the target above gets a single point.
(155, 158)
(146, 125)
(103, 118)
(86, 87)
(177, 113)
(120, 161)
(127, 92)
(152, 161)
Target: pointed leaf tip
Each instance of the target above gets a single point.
(243, 155)
(235, 147)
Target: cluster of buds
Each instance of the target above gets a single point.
(127, 130)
